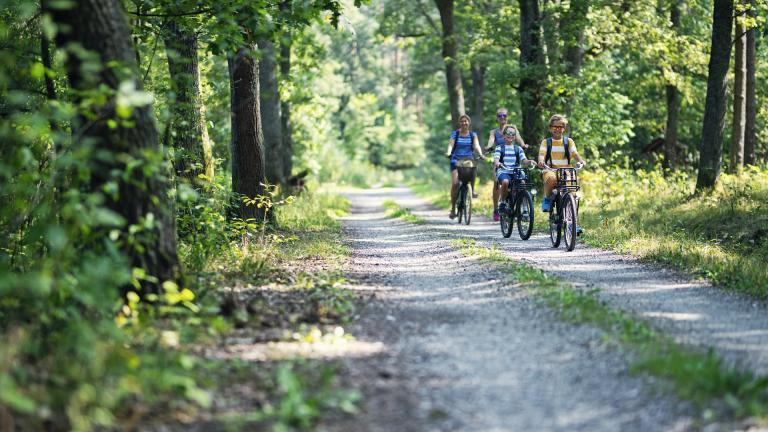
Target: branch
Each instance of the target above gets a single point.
(411, 35)
(429, 18)
(195, 12)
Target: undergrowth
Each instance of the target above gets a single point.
(701, 377)
(394, 210)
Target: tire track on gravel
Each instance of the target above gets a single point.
(464, 351)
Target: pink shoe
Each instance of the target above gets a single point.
(496, 216)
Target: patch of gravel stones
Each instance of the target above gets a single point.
(464, 350)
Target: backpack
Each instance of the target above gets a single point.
(472, 135)
(566, 145)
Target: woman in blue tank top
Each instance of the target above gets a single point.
(462, 145)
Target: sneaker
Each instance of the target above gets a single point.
(496, 216)
(579, 231)
(474, 195)
(546, 204)
(452, 215)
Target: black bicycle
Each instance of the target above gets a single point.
(518, 205)
(467, 170)
(564, 213)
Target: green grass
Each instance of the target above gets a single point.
(721, 234)
(395, 211)
(701, 377)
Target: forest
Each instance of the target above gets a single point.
(172, 177)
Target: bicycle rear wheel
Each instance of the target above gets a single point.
(468, 204)
(506, 220)
(569, 221)
(555, 223)
(524, 214)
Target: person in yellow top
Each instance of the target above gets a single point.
(560, 155)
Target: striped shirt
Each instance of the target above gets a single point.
(462, 146)
(558, 152)
(508, 151)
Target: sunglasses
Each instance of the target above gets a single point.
(501, 115)
(557, 127)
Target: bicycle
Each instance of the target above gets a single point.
(467, 170)
(564, 213)
(519, 205)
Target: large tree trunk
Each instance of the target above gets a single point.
(533, 71)
(450, 57)
(711, 150)
(193, 152)
(270, 113)
(100, 26)
(478, 99)
(739, 101)
(673, 101)
(750, 132)
(285, 105)
(247, 138)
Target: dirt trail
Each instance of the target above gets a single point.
(462, 350)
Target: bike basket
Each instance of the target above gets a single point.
(566, 178)
(466, 174)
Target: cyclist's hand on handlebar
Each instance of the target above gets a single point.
(447, 155)
(541, 165)
(580, 165)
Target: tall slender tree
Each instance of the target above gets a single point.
(247, 137)
(194, 155)
(739, 99)
(711, 149)
(101, 27)
(450, 58)
(750, 130)
(532, 70)
(673, 99)
(270, 112)
(285, 104)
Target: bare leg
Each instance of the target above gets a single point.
(504, 189)
(454, 189)
(495, 196)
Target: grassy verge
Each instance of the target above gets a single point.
(280, 283)
(696, 376)
(720, 234)
(395, 211)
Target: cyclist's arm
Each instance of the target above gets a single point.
(476, 145)
(542, 153)
(491, 141)
(497, 157)
(451, 143)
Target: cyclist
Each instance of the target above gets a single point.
(507, 156)
(554, 153)
(462, 144)
(496, 139)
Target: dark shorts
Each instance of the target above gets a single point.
(453, 165)
(500, 177)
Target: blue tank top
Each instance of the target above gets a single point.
(462, 147)
(498, 137)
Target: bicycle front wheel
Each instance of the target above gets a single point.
(461, 202)
(525, 215)
(555, 223)
(569, 221)
(468, 205)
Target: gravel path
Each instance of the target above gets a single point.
(692, 311)
(462, 350)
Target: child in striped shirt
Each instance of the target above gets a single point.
(559, 157)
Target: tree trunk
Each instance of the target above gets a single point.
(270, 113)
(478, 100)
(711, 149)
(285, 105)
(193, 152)
(533, 71)
(573, 36)
(450, 57)
(673, 101)
(100, 26)
(750, 132)
(739, 101)
(247, 138)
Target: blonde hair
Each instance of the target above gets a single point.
(559, 117)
